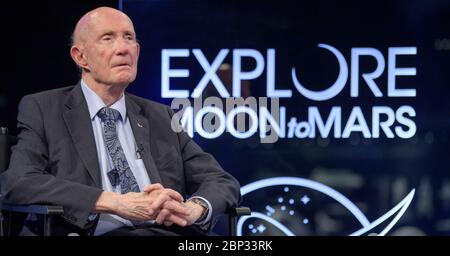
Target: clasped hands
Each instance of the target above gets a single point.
(164, 205)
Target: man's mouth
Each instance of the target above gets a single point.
(122, 65)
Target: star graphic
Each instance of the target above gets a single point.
(261, 228)
(305, 199)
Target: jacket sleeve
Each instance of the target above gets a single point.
(28, 181)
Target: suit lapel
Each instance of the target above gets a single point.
(141, 130)
(79, 125)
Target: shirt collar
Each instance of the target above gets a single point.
(95, 103)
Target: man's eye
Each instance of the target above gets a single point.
(106, 38)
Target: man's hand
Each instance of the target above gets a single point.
(132, 206)
(196, 211)
(145, 205)
(167, 205)
(173, 211)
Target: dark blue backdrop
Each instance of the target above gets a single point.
(375, 174)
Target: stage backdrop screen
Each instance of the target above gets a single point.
(333, 115)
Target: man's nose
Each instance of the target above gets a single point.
(123, 47)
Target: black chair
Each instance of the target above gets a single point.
(13, 218)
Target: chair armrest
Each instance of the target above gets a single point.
(239, 211)
(34, 208)
(48, 211)
(233, 214)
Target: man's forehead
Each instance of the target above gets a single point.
(113, 27)
(116, 30)
(108, 27)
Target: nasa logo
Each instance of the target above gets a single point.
(285, 208)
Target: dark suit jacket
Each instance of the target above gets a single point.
(55, 160)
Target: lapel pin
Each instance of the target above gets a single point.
(140, 125)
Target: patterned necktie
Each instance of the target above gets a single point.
(121, 174)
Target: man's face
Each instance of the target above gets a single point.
(110, 49)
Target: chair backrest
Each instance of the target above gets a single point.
(6, 142)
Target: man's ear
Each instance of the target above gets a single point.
(78, 56)
(138, 49)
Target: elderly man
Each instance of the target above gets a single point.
(108, 157)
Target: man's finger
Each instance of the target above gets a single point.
(177, 220)
(153, 213)
(152, 187)
(162, 216)
(159, 201)
(174, 194)
(177, 208)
